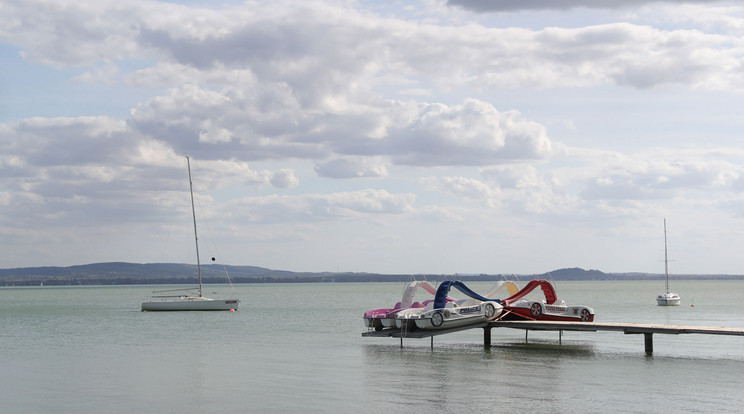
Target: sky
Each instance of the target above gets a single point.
(423, 136)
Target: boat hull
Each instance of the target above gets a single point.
(379, 323)
(449, 317)
(662, 300)
(191, 304)
(668, 299)
(538, 310)
(426, 323)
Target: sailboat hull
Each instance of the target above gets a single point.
(668, 299)
(190, 304)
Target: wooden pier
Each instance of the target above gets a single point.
(648, 330)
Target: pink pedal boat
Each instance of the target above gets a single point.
(383, 318)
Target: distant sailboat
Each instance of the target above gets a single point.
(667, 298)
(166, 300)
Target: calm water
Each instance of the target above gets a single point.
(298, 348)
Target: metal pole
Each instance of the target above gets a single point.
(666, 262)
(196, 236)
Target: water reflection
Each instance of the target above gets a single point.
(455, 375)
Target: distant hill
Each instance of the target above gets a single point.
(576, 273)
(135, 273)
(122, 273)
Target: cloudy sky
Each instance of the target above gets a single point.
(425, 136)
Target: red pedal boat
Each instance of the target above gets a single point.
(517, 307)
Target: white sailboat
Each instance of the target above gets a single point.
(667, 298)
(169, 300)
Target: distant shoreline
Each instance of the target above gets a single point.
(122, 273)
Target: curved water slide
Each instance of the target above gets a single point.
(507, 285)
(410, 291)
(440, 299)
(547, 288)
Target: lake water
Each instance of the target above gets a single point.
(298, 348)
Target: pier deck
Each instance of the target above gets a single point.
(627, 328)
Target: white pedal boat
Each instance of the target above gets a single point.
(441, 314)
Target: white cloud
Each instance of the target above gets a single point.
(459, 104)
(356, 167)
(322, 207)
(91, 170)
(104, 73)
(234, 122)
(473, 133)
(284, 178)
(458, 187)
(645, 177)
(723, 19)
(72, 32)
(322, 50)
(508, 5)
(513, 176)
(440, 214)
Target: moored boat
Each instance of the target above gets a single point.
(166, 300)
(667, 298)
(188, 303)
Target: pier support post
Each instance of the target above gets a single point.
(487, 337)
(648, 340)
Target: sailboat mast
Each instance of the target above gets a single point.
(666, 262)
(196, 237)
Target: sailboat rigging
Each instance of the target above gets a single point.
(667, 298)
(163, 301)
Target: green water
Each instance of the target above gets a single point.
(298, 348)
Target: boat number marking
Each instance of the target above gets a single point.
(470, 309)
